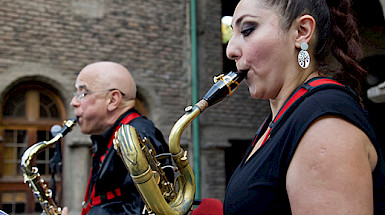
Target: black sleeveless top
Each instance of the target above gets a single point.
(259, 185)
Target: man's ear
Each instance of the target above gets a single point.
(305, 26)
(114, 100)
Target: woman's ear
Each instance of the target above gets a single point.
(305, 26)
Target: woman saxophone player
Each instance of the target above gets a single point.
(317, 152)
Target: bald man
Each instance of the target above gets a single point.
(104, 100)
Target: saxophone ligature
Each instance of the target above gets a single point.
(159, 195)
(31, 175)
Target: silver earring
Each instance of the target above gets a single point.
(303, 56)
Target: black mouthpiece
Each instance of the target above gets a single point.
(224, 86)
(68, 124)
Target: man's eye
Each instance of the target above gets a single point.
(247, 31)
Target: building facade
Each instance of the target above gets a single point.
(45, 43)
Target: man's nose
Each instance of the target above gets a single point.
(74, 101)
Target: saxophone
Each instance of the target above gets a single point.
(159, 195)
(32, 176)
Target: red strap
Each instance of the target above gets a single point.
(96, 200)
(267, 136)
(295, 97)
(321, 81)
(110, 195)
(302, 91)
(88, 207)
(125, 121)
(130, 117)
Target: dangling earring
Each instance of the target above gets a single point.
(303, 56)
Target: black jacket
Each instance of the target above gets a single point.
(111, 175)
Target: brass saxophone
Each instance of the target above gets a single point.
(32, 176)
(153, 188)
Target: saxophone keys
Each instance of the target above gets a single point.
(49, 193)
(36, 194)
(184, 158)
(188, 108)
(156, 176)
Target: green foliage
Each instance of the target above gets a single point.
(227, 33)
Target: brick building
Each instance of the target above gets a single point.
(45, 43)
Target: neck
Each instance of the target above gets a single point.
(276, 104)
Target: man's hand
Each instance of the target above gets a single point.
(65, 211)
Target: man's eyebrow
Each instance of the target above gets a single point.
(82, 87)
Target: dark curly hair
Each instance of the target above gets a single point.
(337, 35)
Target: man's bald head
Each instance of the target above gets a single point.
(102, 104)
(110, 75)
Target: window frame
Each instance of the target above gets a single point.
(32, 124)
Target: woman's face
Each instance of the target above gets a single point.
(262, 47)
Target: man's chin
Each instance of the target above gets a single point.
(85, 131)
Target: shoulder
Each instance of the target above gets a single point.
(142, 124)
(334, 136)
(336, 97)
(326, 102)
(333, 163)
(339, 103)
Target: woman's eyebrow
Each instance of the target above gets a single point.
(239, 20)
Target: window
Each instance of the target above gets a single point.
(14, 202)
(15, 143)
(28, 111)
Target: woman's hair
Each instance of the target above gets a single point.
(336, 32)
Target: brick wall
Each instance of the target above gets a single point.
(148, 37)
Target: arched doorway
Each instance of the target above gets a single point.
(28, 110)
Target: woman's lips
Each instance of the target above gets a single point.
(244, 71)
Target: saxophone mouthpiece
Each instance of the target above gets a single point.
(67, 126)
(74, 119)
(225, 85)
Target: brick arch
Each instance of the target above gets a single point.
(49, 75)
(39, 84)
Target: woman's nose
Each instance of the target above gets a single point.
(232, 51)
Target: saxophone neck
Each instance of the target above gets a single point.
(29, 154)
(33, 150)
(182, 123)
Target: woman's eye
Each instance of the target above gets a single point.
(247, 31)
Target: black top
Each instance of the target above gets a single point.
(259, 185)
(112, 173)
